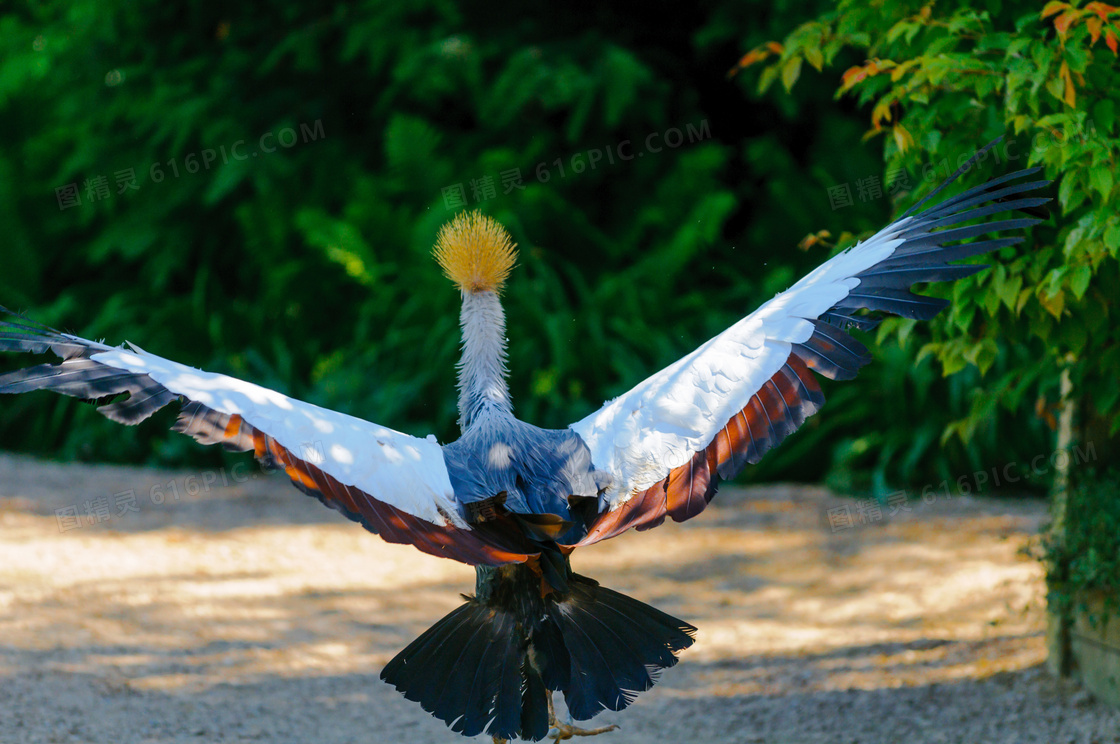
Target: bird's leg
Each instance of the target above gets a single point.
(499, 740)
(566, 730)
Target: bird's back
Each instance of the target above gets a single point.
(543, 479)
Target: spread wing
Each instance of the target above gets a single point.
(670, 440)
(394, 484)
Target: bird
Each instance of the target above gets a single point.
(514, 500)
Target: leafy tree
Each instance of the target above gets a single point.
(937, 80)
(290, 166)
(306, 267)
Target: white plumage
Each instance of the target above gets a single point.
(404, 471)
(644, 434)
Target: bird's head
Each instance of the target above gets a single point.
(475, 252)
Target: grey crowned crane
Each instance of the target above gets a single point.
(515, 500)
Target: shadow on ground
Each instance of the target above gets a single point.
(248, 612)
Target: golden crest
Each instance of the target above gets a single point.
(475, 252)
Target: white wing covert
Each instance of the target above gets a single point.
(671, 439)
(394, 484)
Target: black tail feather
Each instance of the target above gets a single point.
(421, 650)
(552, 661)
(596, 682)
(433, 649)
(461, 660)
(465, 670)
(490, 666)
(628, 663)
(534, 704)
(617, 645)
(479, 697)
(508, 711)
(660, 635)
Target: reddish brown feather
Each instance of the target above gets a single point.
(772, 413)
(643, 508)
(724, 449)
(489, 546)
(808, 379)
(742, 443)
(260, 446)
(233, 426)
(786, 389)
(691, 486)
(713, 468)
(822, 347)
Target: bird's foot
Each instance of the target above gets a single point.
(560, 731)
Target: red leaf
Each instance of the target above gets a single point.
(1063, 22)
(751, 57)
(853, 76)
(1100, 9)
(1110, 39)
(1094, 26)
(1053, 7)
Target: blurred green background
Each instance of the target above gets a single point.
(260, 187)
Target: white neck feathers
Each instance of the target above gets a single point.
(482, 368)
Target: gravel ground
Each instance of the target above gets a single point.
(243, 612)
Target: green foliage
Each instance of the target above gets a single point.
(938, 80)
(1083, 562)
(305, 266)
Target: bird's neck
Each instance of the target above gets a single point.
(482, 368)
